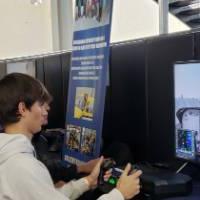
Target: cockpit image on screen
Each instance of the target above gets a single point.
(185, 143)
(187, 110)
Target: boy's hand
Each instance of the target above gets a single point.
(93, 177)
(129, 185)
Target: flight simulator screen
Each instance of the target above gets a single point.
(187, 110)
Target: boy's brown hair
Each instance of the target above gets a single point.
(16, 88)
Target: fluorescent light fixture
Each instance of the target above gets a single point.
(36, 2)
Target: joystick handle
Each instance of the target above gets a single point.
(106, 165)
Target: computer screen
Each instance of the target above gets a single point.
(187, 110)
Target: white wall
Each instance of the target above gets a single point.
(25, 29)
(137, 19)
(29, 30)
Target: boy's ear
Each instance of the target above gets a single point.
(22, 108)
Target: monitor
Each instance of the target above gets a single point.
(187, 110)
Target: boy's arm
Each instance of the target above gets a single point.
(29, 179)
(114, 194)
(74, 189)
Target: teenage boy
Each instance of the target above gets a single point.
(22, 176)
(58, 171)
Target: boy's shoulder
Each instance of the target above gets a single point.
(24, 166)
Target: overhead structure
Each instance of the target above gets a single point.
(188, 11)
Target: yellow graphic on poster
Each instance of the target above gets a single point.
(84, 103)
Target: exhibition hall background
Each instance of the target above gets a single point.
(139, 99)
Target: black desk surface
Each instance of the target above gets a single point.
(194, 196)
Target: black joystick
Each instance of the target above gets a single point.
(108, 185)
(106, 165)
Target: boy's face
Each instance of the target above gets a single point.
(47, 108)
(36, 117)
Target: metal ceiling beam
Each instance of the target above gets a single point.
(190, 18)
(185, 8)
(179, 1)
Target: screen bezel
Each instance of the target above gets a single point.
(173, 108)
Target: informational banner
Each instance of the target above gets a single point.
(88, 79)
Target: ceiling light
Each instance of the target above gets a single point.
(36, 2)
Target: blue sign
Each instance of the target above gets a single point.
(88, 79)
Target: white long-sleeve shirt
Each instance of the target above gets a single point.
(23, 177)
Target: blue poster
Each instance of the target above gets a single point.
(88, 79)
